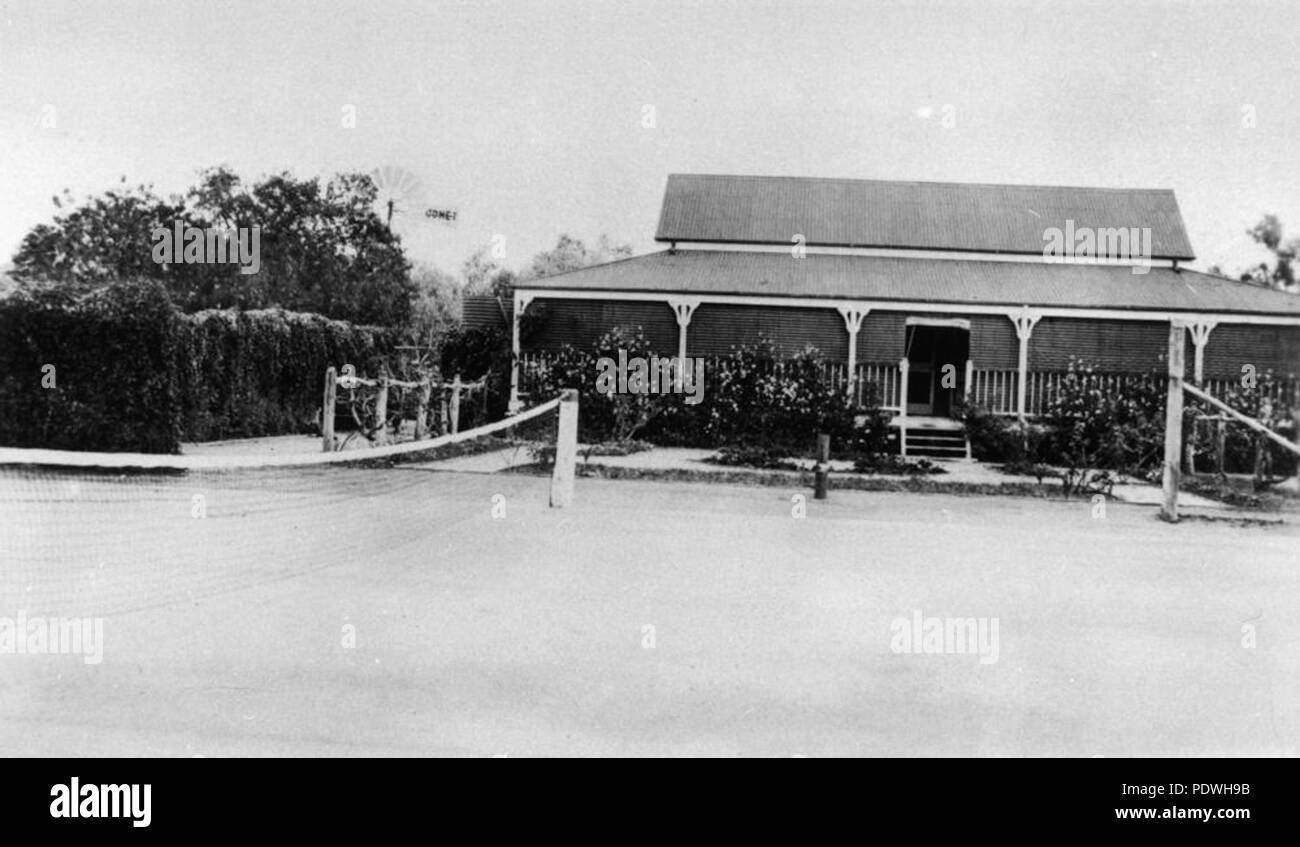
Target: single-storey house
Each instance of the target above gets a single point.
(995, 287)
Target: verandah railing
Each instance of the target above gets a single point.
(994, 390)
(884, 376)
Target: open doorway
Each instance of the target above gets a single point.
(936, 357)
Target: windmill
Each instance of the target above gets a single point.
(398, 190)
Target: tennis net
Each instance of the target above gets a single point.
(99, 534)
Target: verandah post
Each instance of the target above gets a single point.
(853, 316)
(521, 301)
(902, 405)
(1174, 422)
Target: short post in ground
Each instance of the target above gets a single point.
(566, 451)
(822, 470)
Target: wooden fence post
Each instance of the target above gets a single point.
(1220, 444)
(566, 451)
(821, 471)
(381, 410)
(455, 404)
(422, 412)
(1174, 422)
(327, 410)
(1295, 435)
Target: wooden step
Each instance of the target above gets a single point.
(937, 443)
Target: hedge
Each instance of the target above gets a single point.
(257, 373)
(131, 373)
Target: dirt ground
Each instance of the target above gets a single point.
(648, 619)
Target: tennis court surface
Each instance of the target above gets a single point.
(344, 611)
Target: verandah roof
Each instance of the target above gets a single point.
(930, 280)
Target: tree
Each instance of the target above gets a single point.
(321, 247)
(437, 305)
(103, 240)
(485, 276)
(570, 254)
(1268, 232)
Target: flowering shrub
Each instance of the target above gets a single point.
(751, 399)
(1092, 427)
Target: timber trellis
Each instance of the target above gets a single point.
(1176, 387)
(448, 409)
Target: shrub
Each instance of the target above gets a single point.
(896, 465)
(1093, 428)
(604, 417)
(765, 458)
(1245, 451)
(759, 400)
(132, 374)
(259, 373)
(479, 352)
(997, 438)
(114, 385)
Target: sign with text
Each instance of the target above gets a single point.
(447, 216)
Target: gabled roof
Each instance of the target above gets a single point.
(929, 280)
(946, 216)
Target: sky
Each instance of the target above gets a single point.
(533, 119)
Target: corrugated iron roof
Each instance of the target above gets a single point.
(908, 215)
(929, 280)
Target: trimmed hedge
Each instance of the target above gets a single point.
(256, 373)
(113, 379)
(133, 374)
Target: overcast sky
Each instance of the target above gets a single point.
(529, 119)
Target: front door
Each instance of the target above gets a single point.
(936, 361)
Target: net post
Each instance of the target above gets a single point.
(327, 410)
(1174, 422)
(566, 451)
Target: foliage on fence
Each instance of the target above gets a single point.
(249, 374)
(1102, 421)
(479, 352)
(1266, 398)
(127, 372)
